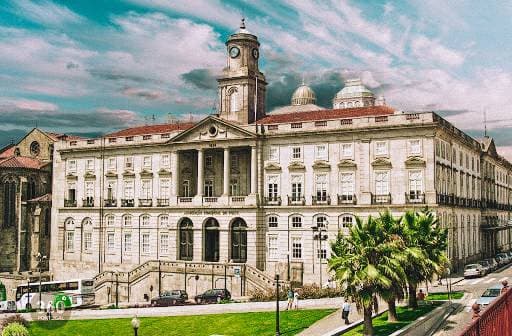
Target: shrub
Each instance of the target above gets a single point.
(15, 329)
(13, 319)
(305, 292)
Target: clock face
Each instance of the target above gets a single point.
(255, 53)
(234, 52)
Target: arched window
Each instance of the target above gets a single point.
(239, 240)
(110, 220)
(321, 221)
(163, 221)
(31, 188)
(233, 101)
(272, 221)
(296, 221)
(9, 202)
(346, 220)
(87, 235)
(211, 240)
(127, 220)
(186, 236)
(69, 235)
(144, 220)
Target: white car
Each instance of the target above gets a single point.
(7, 306)
(473, 270)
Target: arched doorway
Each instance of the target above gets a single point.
(186, 236)
(211, 240)
(238, 240)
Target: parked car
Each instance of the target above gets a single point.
(170, 298)
(500, 258)
(486, 266)
(509, 253)
(7, 306)
(493, 262)
(213, 295)
(504, 257)
(489, 295)
(473, 270)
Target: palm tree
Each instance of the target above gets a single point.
(422, 232)
(365, 264)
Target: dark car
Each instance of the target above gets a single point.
(213, 295)
(170, 298)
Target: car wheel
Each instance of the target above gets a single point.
(219, 299)
(198, 301)
(173, 302)
(28, 306)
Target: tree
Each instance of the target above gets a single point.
(422, 232)
(366, 263)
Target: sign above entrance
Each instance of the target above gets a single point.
(210, 212)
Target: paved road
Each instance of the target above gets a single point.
(474, 287)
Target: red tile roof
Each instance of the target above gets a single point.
(327, 114)
(7, 151)
(59, 136)
(152, 129)
(21, 162)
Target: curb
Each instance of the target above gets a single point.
(341, 330)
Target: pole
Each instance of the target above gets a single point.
(117, 290)
(39, 269)
(225, 276)
(278, 332)
(159, 279)
(28, 293)
(320, 243)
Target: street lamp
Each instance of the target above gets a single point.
(225, 275)
(135, 325)
(40, 259)
(319, 230)
(278, 332)
(117, 290)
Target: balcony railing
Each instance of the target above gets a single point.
(381, 199)
(162, 202)
(321, 200)
(414, 198)
(210, 199)
(70, 203)
(237, 199)
(110, 203)
(127, 202)
(145, 202)
(296, 200)
(182, 199)
(88, 202)
(347, 199)
(273, 200)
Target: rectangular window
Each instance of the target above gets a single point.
(127, 245)
(71, 166)
(164, 188)
(87, 241)
(70, 241)
(111, 241)
(146, 162)
(110, 220)
(112, 140)
(381, 148)
(165, 136)
(296, 153)
(296, 248)
(297, 187)
(296, 125)
(89, 164)
(128, 163)
(415, 184)
(208, 188)
(415, 147)
(346, 221)
(382, 183)
(321, 152)
(321, 254)
(272, 221)
(71, 192)
(111, 190)
(129, 138)
(145, 243)
(347, 185)
(273, 248)
(89, 190)
(112, 164)
(347, 151)
(234, 161)
(321, 188)
(165, 161)
(128, 189)
(186, 188)
(234, 187)
(164, 244)
(273, 187)
(296, 222)
(273, 153)
(208, 161)
(146, 137)
(146, 192)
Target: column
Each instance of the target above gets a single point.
(175, 181)
(227, 171)
(200, 171)
(254, 173)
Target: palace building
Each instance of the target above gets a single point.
(243, 195)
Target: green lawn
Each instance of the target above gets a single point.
(383, 328)
(263, 323)
(444, 296)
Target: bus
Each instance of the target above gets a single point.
(60, 294)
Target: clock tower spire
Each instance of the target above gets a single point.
(242, 85)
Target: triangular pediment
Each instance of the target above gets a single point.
(295, 165)
(347, 164)
(381, 162)
(321, 164)
(415, 162)
(211, 129)
(272, 166)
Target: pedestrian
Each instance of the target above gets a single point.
(296, 299)
(49, 311)
(476, 311)
(420, 296)
(290, 299)
(504, 289)
(345, 311)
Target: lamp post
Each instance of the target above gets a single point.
(225, 275)
(278, 332)
(135, 325)
(40, 259)
(117, 290)
(319, 235)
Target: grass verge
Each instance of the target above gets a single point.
(261, 323)
(405, 316)
(444, 296)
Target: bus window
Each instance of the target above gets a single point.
(72, 285)
(87, 283)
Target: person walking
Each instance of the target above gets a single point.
(504, 289)
(290, 299)
(296, 299)
(345, 311)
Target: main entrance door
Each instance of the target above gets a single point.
(211, 240)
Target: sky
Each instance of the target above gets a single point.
(90, 67)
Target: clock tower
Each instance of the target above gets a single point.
(242, 85)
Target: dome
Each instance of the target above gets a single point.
(303, 95)
(354, 88)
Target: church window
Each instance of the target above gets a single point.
(9, 203)
(233, 102)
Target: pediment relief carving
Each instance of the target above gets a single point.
(415, 161)
(295, 165)
(71, 177)
(89, 175)
(381, 162)
(213, 128)
(321, 164)
(146, 173)
(272, 166)
(128, 173)
(164, 172)
(111, 174)
(347, 164)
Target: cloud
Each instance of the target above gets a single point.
(44, 12)
(143, 93)
(15, 104)
(432, 51)
(201, 78)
